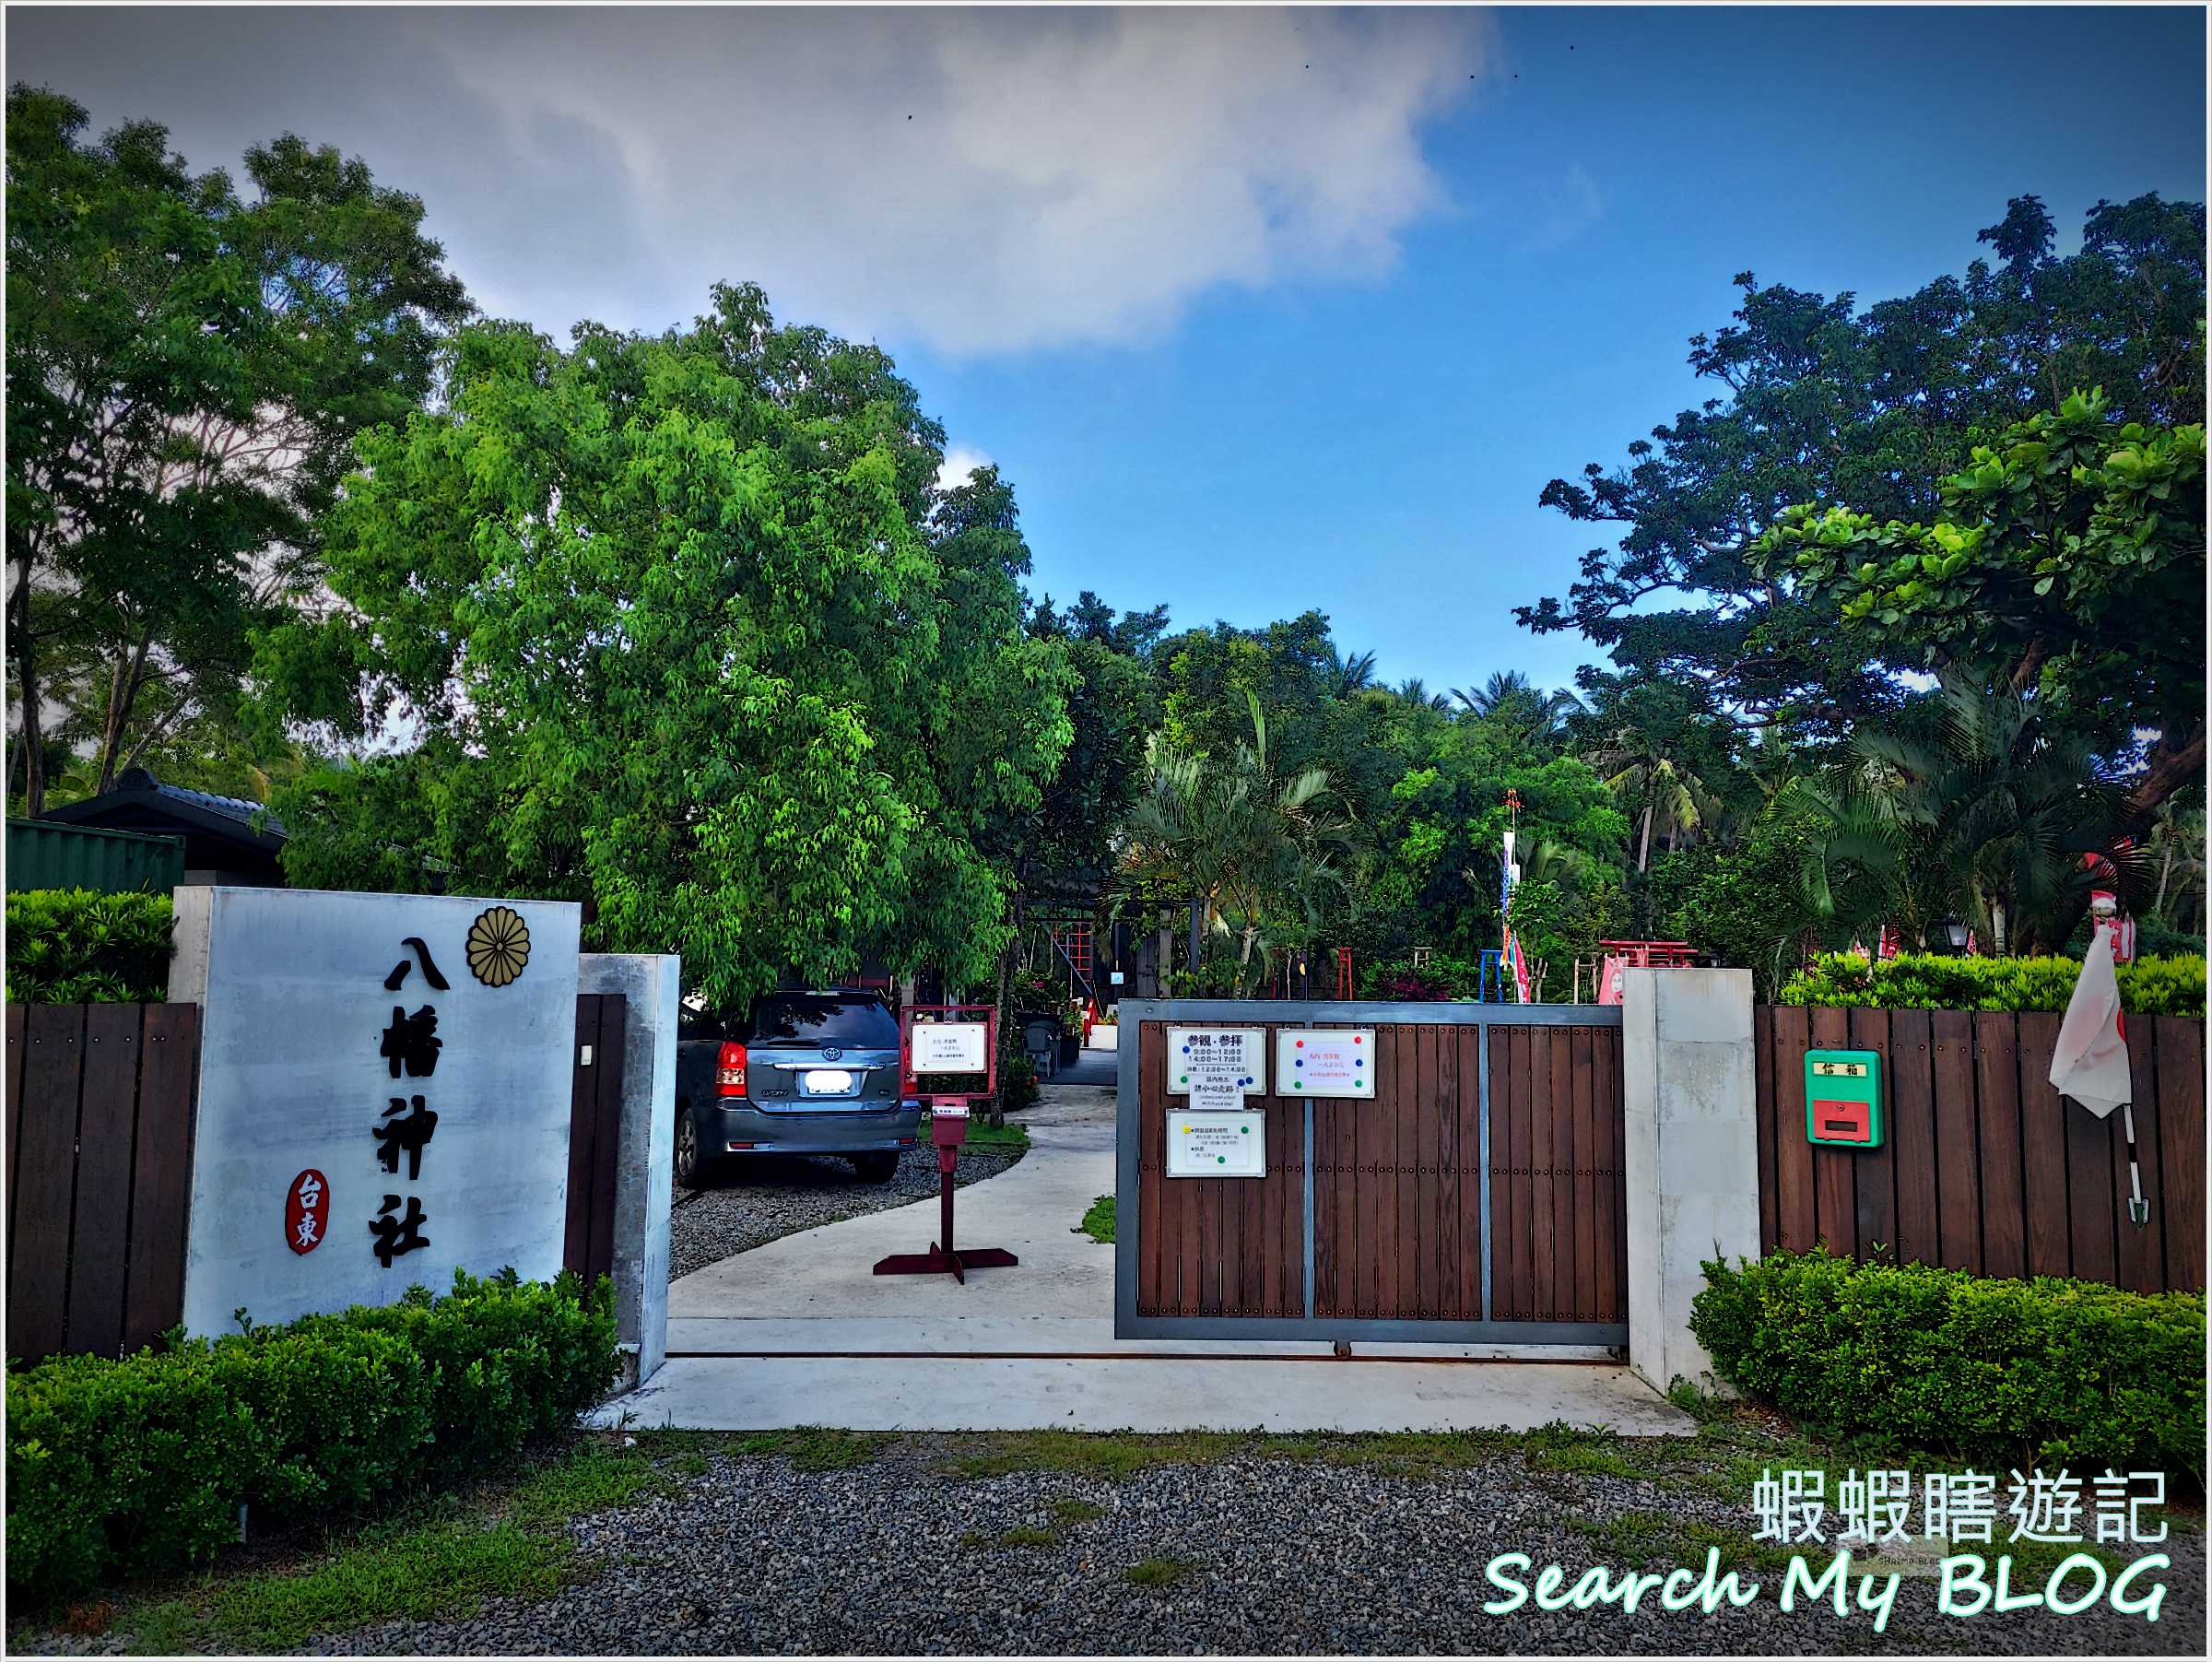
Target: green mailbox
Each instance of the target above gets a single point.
(1843, 1098)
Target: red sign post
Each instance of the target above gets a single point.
(949, 1051)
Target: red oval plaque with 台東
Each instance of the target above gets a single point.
(306, 1211)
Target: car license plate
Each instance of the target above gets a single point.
(827, 1081)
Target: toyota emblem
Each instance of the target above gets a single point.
(830, 1052)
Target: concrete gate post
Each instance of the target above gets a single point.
(643, 1180)
(1690, 1089)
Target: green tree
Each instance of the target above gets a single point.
(1829, 405)
(2070, 554)
(686, 633)
(186, 374)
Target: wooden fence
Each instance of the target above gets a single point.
(1983, 1166)
(99, 1101)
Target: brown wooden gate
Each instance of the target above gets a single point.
(1479, 1197)
(1985, 1167)
(99, 1101)
(594, 1126)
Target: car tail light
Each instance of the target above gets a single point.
(729, 1072)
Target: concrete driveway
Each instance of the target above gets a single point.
(803, 1332)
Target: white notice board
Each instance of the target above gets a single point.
(1223, 1057)
(1217, 1145)
(1338, 1062)
(951, 1047)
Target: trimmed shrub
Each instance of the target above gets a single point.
(1921, 981)
(79, 946)
(2045, 1373)
(139, 1464)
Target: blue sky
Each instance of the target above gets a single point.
(1258, 310)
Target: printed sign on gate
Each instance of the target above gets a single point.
(1215, 1059)
(1338, 1062)
(1217, 1145)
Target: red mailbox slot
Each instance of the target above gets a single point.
(1843, 1122)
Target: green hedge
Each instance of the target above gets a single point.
(79, 946)
(2004, 1372)
(1919, 980)
(139, 1464)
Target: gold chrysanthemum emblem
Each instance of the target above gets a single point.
(499, 946)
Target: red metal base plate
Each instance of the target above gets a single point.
(937, 1261)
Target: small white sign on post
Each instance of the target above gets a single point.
(1217, 1145)
(1338, 1062)
(951, 1047)
(1215, 1059)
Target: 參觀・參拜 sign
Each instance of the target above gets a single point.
(384, 1095)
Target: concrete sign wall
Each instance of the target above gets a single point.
(385, 1084)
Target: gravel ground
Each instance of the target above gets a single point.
(1282, 1557)
(776, 1195)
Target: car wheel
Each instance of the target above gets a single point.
(693, 1169)
(876, 1168)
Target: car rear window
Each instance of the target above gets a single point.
(806, 1019)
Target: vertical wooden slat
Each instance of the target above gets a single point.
(161, 1174)
(1612, 1186)
(2002, 1147)
(1150, 1158)
(1528, 1163)
(1340, 1140)
(2093, 1222)
(1470, 1172)
(1504, 1202)
(2142, 1256)
(2042, 1150)
(607, 1135)
(1404, 1216)
(1835, 1171)
(1911, 1110)
(1958, 1140)
(1430, 1139)
(1546, 1136)
(1583, 1074)
(1762, 1058)
(2181, 1149)
(1206, 1193)
(16, 1013)
(1448, 1282)
(46, 1163)
(1797, 1221)
(1876, 1170)
(583, 1123)
(100, 1222)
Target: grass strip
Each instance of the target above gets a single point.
(1098, 1222)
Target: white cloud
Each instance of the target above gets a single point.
(980, 181)
(990, 180)
(960, 462)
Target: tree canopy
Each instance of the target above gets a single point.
(186, 374)
(684, 630)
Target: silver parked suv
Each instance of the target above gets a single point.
(801, 1073)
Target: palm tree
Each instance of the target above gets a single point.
(1259, 852)
(1349, 675)
(1993, 816)
(1415, 691)
(1513, 699)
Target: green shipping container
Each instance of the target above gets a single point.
(47, 854)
